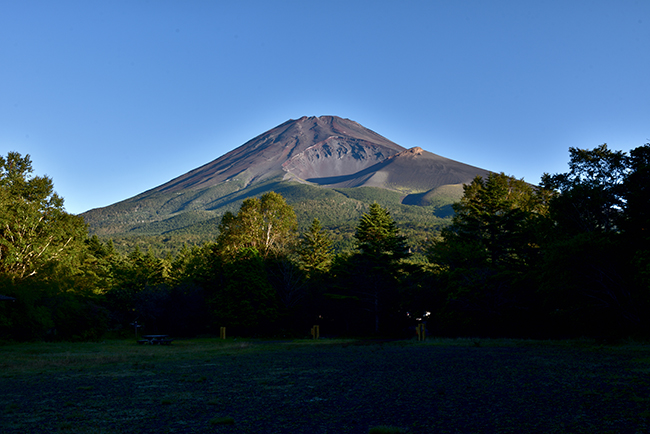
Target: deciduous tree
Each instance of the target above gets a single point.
(35, 230)
(267, 224)
(587, 274)
(591, 193)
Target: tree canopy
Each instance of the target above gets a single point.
(371, 275)
(315, 250)
(34, 227)
(495, 223)
(378, 236)
(267, 224)
(591, 192)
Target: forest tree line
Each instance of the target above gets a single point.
(567, 258)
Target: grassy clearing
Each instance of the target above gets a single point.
(306, 386)
(44, 357)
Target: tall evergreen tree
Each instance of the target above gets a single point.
(637, 221)
(315, 250)
(374, 271)
(486, 256)
(496, 223)
(378, 237)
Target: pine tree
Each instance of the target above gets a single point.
(376, 267)
(378, 237)
(315, 250)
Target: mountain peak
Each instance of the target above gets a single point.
(304, 148)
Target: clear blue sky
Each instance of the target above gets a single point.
(112, 98)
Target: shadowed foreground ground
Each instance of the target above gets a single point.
(338, 388)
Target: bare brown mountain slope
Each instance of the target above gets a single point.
(411, 171)
(305, 148)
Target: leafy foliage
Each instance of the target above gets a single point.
(44, 263)
(593, 228)
(267, 225)
(246, 299)
(591, 192)
(34, 227)
(635, 194)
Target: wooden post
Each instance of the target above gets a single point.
(315, 332)
(421, 331)
(136, 326)
(222, 333)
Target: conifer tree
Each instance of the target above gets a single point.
(375, 269)
(486, 256)
(378, 237)
(315, 250)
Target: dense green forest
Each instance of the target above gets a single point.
(567, 258)
(150, 222)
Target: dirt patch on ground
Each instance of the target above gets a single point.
(343, 389)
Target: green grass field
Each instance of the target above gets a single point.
(325, 386)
